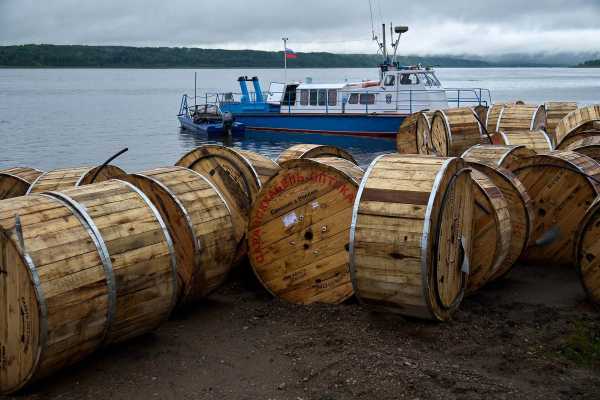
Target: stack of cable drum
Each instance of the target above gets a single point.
(91, 256)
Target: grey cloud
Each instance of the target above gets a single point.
(437, 26)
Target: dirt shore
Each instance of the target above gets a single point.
(531, 336)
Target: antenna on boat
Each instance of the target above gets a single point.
(374, 36)
(195, 92)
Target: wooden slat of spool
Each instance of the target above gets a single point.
(453, 131)
(298, 230)
(555, 112)
(568, 141)
(560, 194)
(519, 207)
(491, 233)
(411, 227)
(55, 295)
(67, 178)
(588, 146)
(140, 249)
(537, 141)
(16, 181)
(492, 117)
(507, 157)
(406, 139)
(423, 133)
(199, 222)
(314, 151)
(521, 117)
(576, 121)
(588, 252)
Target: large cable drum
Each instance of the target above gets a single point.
(521, 117)
(562, 186)
(406, 139)
(66, 178)
(577, 121)
(454, 130)
(508, 157)
(298, 230)
(199, 222)
(16, 181)
(588, 146)
(314, 151)
(410, 236)
(555, 112)
(537, 141)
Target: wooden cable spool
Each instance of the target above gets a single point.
(521, 117)
(588, 146)
(314, 151)
(423, 133)
(412, 222)
(77, 275)
(406, 139)
(519, 207)
(555, 112)
(568, 141)
(577, 121)
(492, 232)
(453, 131)
(537, 141)
(199, 221)
(493, 114)
(587, 253)
(507, 157)
(66, 178)
(16, 181)
(561, 192)
(298, 230)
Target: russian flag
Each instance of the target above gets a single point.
(289, 53)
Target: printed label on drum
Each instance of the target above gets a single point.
(3, 361)
(25, 324)
(290, 219)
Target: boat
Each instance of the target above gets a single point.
(209, 119)
(368, 108)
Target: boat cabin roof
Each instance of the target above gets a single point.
(322, 85)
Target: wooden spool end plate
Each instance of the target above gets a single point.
(406, 139)
(56, 290)
(410, 236)
(561, 192)
(576, 121)
(584, 134)
(588, 146)
(199, 222)
(507, 157)
(314, 151)
(492, 233)
(67, 178)
(555, 112)
(453, 131)
(140, 248)
(521, 117)
(16, 181)
(493, 114)
(588, 253)
(298, 230)
(520, 211)
(537, 141)
(424, 145)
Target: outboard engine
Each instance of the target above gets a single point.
(228, 120)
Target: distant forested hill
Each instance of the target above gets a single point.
(590, 64)
(180, 57)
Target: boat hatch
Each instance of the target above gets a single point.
(280, 93)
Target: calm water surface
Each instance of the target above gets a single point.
(52, 118)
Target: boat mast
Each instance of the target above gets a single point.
(284, 59)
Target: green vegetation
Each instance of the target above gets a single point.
(180, 57)
(583, 346)
(590, 64)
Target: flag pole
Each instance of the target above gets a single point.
(284, 59)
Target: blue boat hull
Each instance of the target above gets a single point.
(216, 128)
(366, 125)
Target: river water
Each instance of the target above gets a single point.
(53, 118)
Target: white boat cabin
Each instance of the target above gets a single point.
(400, 91)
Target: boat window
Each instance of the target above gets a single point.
(353, 98)
(409, 79)
(390, 80)
(367, 98)
(303, 97)
(434, 79)
(427, 80)
(313, 97)
(322, 97)
(289, 99)
(332, 97)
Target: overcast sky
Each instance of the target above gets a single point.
(437, 26)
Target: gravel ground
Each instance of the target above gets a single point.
(531, 336)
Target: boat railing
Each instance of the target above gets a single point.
(406, 101)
